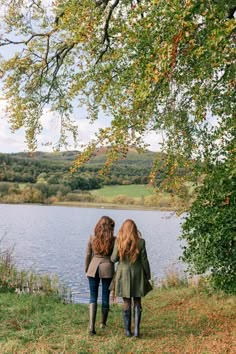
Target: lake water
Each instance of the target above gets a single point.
(52, 239)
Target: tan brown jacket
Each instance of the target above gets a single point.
(94, 261)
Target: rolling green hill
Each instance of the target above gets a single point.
(54, 167)
(46, 178)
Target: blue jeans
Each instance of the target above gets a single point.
(93, 287)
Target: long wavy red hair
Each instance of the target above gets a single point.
(103, 240)
(128, 240)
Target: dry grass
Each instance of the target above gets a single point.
(179, 321)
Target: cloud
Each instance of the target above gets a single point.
(49, 137)
(10, 142)
(47, 2)
(154, 140)
(51, 129)
(15, 142)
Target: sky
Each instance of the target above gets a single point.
(15, 142)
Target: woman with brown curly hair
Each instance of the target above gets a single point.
(98, 266)
(132, 274)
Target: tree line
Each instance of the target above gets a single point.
(47, 173)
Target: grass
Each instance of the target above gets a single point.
(135, 197)
(24, 281)
(133, 191)
(22, 185)
(117, 196)
(174, 321)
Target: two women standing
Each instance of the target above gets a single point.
(132, 275)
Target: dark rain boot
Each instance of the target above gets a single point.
(127, 322)
(137, 319)
(92, 318)
(105, 311)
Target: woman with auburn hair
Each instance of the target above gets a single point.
(98, 266)
(133, 273)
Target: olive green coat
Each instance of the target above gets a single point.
(96, 261)
(131, 280)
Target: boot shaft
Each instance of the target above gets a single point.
(127, 322)
(105, 312)
(92, 318)
(137, 320)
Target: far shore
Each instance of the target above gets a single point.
(111, 206)
(100, 206)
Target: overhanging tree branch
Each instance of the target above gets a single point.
(106, 38)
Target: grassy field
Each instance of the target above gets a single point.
(22, 185)
(116, 196)
(174, 321)
(142, 196)
(132, 190)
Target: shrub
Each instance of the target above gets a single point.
(123, 199)
(210, 228)
(79, 197)
(174, 277)
(32, 195)
(13, 199)
(4, 188)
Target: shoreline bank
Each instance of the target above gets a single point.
(100, 206)
(112, 206)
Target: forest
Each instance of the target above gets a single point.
(39, 176)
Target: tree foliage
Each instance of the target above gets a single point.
(210, 228)
(53, 168)
(150, 65)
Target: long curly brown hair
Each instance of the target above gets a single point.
(128, 240)
(103, 240)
